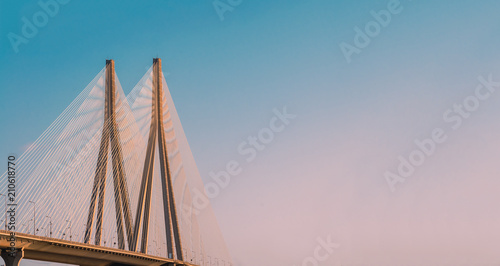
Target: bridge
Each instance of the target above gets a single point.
(63, 251)
(111, 182)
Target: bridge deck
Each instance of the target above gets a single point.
(63, 251)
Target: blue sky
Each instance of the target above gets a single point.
(323, 174)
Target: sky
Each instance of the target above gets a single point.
(410, 74)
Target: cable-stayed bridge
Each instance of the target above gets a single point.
(110, 182)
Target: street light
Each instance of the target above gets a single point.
(5, 209)
(70, 234)
(50, 224)
(27, 224)
(156, 247)
(164, 245)
(34, 216)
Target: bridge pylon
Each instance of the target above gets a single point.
(12, 259)
(110, 136)
(157, 135)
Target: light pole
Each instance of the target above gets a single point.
(27, 224)
(156, 247)
(162, 247)
(5, 210)
(34, 216)
(115, 238)
(70, 234)
(50, 224)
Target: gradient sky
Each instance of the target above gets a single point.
(324, 174)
